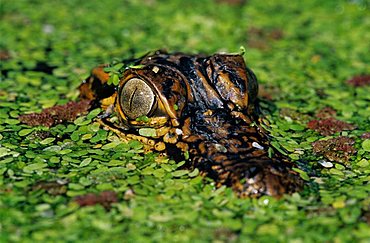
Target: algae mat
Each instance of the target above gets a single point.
(75, 182)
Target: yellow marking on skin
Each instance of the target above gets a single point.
(99, 73)
(175, 122)
(183, 146)
(231, 92)
(160, 146)
(148, 143)
(105, 103)
(155, 69)
(153, 122)
(170, 137)
(162, 131)
(240, 115)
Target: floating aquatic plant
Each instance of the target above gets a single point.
(329, 126)
(359, 81)
(57, 114)
(105, 198)
(338, 149)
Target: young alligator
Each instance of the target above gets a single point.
(204, 107)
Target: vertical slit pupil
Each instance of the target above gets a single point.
(137, 98)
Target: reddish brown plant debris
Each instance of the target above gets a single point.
(260, 38)
(268, 92)
(365, 135)
(326, 112)
(320, 93)
(53, 188)
(294, 115)
(358, 81)
(57, 114)
(338, 149)
(366, 217)
(275, 34)
(329, 126)
(105, 199)
(225, 235)
(4, 55)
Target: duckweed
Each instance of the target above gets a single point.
(75, 181)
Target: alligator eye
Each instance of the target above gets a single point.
(137, 98)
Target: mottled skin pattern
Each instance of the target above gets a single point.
(206, 107)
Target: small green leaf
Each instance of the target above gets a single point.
(75, 136)
(12, 121)
(194, 173)
(81, 121)
(85, 162)
(117, 66)
(65, 151)
(70, 128)
(179, 173)
(85, 181)
(104, 187)
(157, 217)
(47, 141)
(143, 119)
(302, 173)
(339, 167)
(181, 163)
(108, 69)
(54, 160)
(241, 50)
(159, 173)
(35, 166)
(115, 162)
(297, 127)
(136, 66)
(276, 145)
(335, 171)
(148, 132)
(110, 80)
(186, 155)
(115, 79)
(94, 127)
(366, 145)
(25, 132)
(111, 145)
(4, 151)
(7, 160)
(92, 114)
(363, 163)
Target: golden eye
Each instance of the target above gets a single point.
(137, 98)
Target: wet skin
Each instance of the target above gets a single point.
(204, 107)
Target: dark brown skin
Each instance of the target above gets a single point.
(203, 106)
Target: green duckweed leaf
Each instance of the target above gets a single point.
(148, 132)
(302, 173)
(47, 141)
(25, 132)
(366, 145)
(34, 167)
(85, 162)
(179, 173)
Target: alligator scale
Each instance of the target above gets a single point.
(204, 107)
